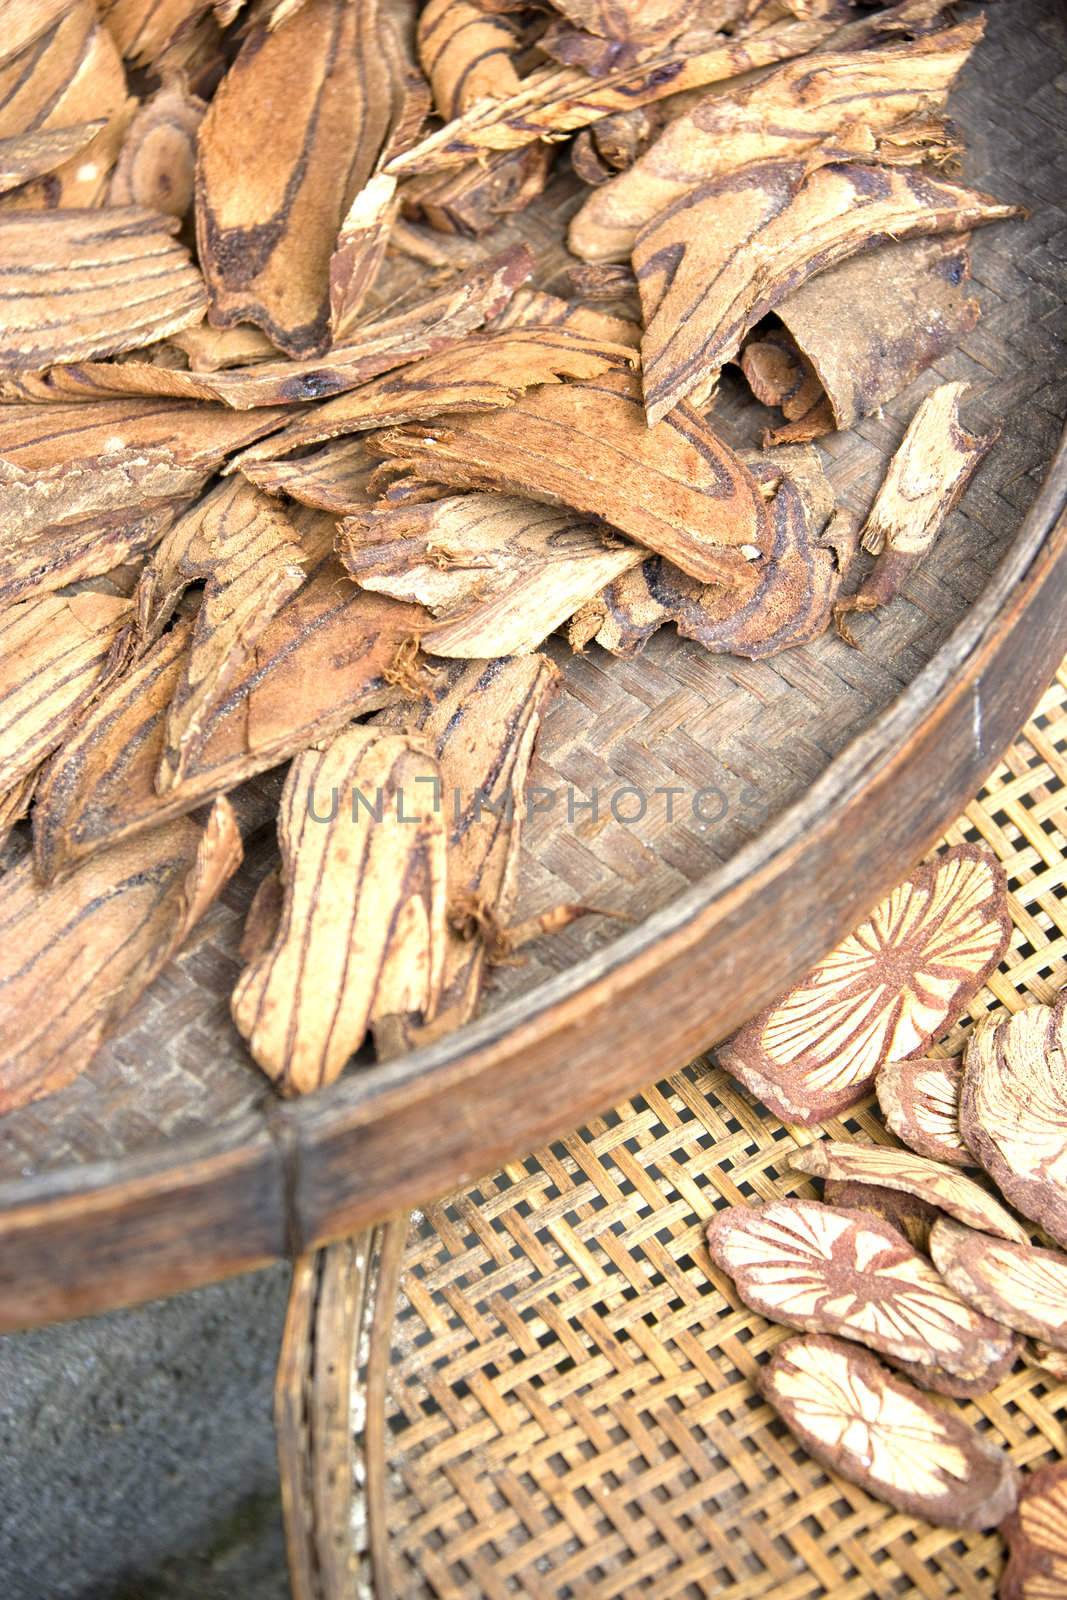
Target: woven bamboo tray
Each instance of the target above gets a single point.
(562, 1406)
(170, 1163)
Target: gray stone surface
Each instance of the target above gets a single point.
(137, 1454)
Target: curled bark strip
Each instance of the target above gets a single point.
(880, 1432)
(942, 1186)
(443, 319)
(1013, 1110)
(554, 101)
(824, 1270)
(75, 957)
(499, 574)
(883, 994)
(780, 375)
(1021, 1286)
(924, 481)
(679, 489)
(466, 54)
(1036, 1534)
(728, 253)
(75, 284)
(481, 720)
(158, 156)
(781, 117)
(470, 200)
(920, 1100)
(361, 934)
(56, 653)
(484, 373)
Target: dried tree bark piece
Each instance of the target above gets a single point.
(811, 1266)
(443, 319)
(1036, 1534)
(942, 1186)
(883, 994)
(678, 490)
(363, 924)
(209, 349)
(631, 21)
(481, 720)
(90, 283)
(22, 22)
(779, 374)
(931, 468)
(782, 116)
(470, 200)
(324, 659)
(56, 653)
(486, 371)
(909, 1215)
(466, 54)
(724, 278)
(876, 1430)
(557, 100)
(158, 157)
(164, 35)
(920, 1100)
(75, 957)
(251, 559)
(870, 325)
(333, 478)
(1018, 1285)
(1013, 1110)
(291, 136)
(360, 251)
(530, 308)
(500, 574)
(1045, 1359)
(624, 616)
(29, 155)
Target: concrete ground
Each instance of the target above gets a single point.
(137, 1455)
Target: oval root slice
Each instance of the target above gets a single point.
(920, 1101)
(1019, 1285)
(1037, 1537)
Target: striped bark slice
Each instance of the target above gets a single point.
(166, 35)
(732, 263)
(886, 991)
(22, 22)
(472, 199)
(250, 558)
(1036, 1534)
(625, 615)
(824, 1270)
(466, 54)
(499, 574)
(158, 157)
(929, 471)
(536, 308)
(324, 659)
(332, 479)
(56, 653)
(945, 1187)
(443, 319)
(880, 1432)
(118, 277)
(1021, 1286)
(1013, 1110)
(361, 933)
(75, 957)
(780, 375)
(481, 720)
(678, 490)
(920, 1100)
(483, 373)
(29, 155)
(784, 115)
(909, 1215)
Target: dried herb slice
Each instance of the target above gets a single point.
(725, 277)
(679, 490)
(1019, 1285)
(779, 374)
(75, 957)
(814, 1267)
(56, 652)
(484, 372)
(29, 155)
(470, 200)
(781, 116)
(530, 308)
(909, 1215)
(942, 1186)
(333, 478)
(558, 100)
(22, 22)
(481, 720)
(157, 161)
(88, 283)
(930, 470)
(1013, 1110)
(325, 658)
(165, 35)
(876, 1430)
(466, 53)
(920, 1100)
(443, 319)
(1045, 1359)
(1036, 1534)
(882, 994)
(625, 615)
(500, 574)
(361, 933)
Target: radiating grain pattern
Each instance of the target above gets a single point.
(1021, 1286)
(466, 53)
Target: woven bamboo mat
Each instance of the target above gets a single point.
(569, 1411)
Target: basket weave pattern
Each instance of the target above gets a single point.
(570, 1411)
